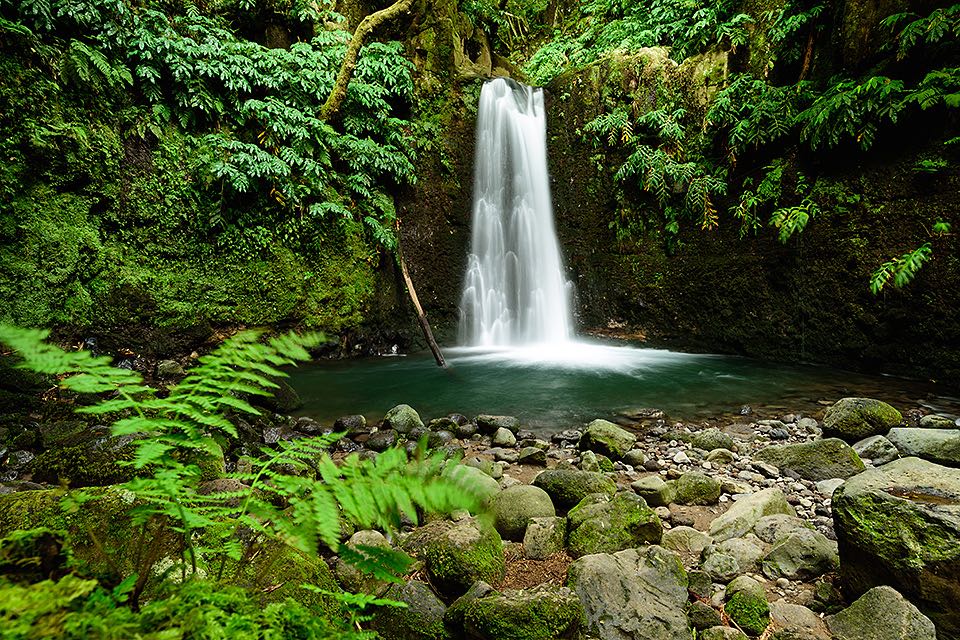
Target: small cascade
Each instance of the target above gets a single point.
(514, 293)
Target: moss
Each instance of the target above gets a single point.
(85, 465)
(458, 554)
(751, 613)
(520, 615)
(602, 525)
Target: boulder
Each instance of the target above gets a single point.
(533, 456)
(604, 437)
(542, 613)
(747, 550)
(353, 579)
(770, 529)
(421, 619)
(745, 584)
(382, 440)
(567, 487)
(899, 525)
(882, 614)
(749, 610)
(685, 540)
(504, 438)
(853, 419)
(488, 425)
(800, 555)
(601, 524)
(703, 616)
(936, 445)
(655, 491)
(934, 421)
(473, 480)
(747, 511)
(544, 537)
(457, 554)
(283, 399)
(877, 449)
(712, 438)
(514, 507)
(402, 418)
(721, 567)
(817, 460)
(635, 594)
(697, 488)
(722, 633)
(796, 622)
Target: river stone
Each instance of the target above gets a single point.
(515, 506)
(744, 514)
(488, 424)
(402, 418)
(721, 567)
(635, 594)
(421, 619)
(473, 480)
(170, 369)
(635, 458)
(655, 491)
(504, 438)
(934, 421)
(686, 540)
(936, 445)
(353, 579)
(817, 460)
(877, 449)
(697, 488)
(796, 622)
(899, 525)
(456, 554)
(542, 613)
(712, 438)
(352, 424)
(703, 616)
(534, 456)
(720, 456)
(601, 524)
(382, 440)
(544, 537)
(747, 550)
(883, 614)
(745, 584)
(827, 487)
(800, 555)
(604, 437)
(770, 529)
(854, 419)
(722, 633)
(749, 611)
(567, 487)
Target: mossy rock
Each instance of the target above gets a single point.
(697, 488)
(457, 554)
(751, 613)
(606, 438)
(403, 419)
(600, 524)
(542, 613)
(854, 419)
(567, 487)
(515, 506)
(87, 465)
(817, 460)
(421, 619)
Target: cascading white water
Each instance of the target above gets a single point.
(514, 292)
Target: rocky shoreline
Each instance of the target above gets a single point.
(844, 526)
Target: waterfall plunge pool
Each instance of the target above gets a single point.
(555, 387)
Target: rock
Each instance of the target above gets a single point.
(606, 438)
(350, 577)
(635, 458)
(899, 525)
(284, 399)
(936, 445)
(697, 488)
(352, 424)
(91, 463)
(744, 514)
(685, 540)
(734, 487)
(745, 584)
(796, 622)
(854, 419)
(817, 460)
(504, 438)
(712, 438)
(635, 594)
(456, 554)
(721, 567)
(800, 555)
(402, 418)
(488, 425)
(655, 491)
(542, 613)
(544, 537)
(421, 619)
(721, 456)
(382, 440)
(514, 507)
(533, 456)
(722, 633)
(170, 369)
(474, 480)
(770, 529)
(882, 614)
(681, 458)
(568, 487)
(934, 421)
(750, 612)
(747, 551)
(703, 616)
(827, 487)
(600, 524)
(699, 584)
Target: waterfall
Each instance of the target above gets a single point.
(514, 292)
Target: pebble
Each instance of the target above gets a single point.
(681, 458)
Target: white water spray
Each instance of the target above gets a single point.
(514, 292)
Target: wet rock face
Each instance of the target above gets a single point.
(899, 525)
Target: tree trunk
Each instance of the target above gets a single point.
(367, 25)
(421, 316)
